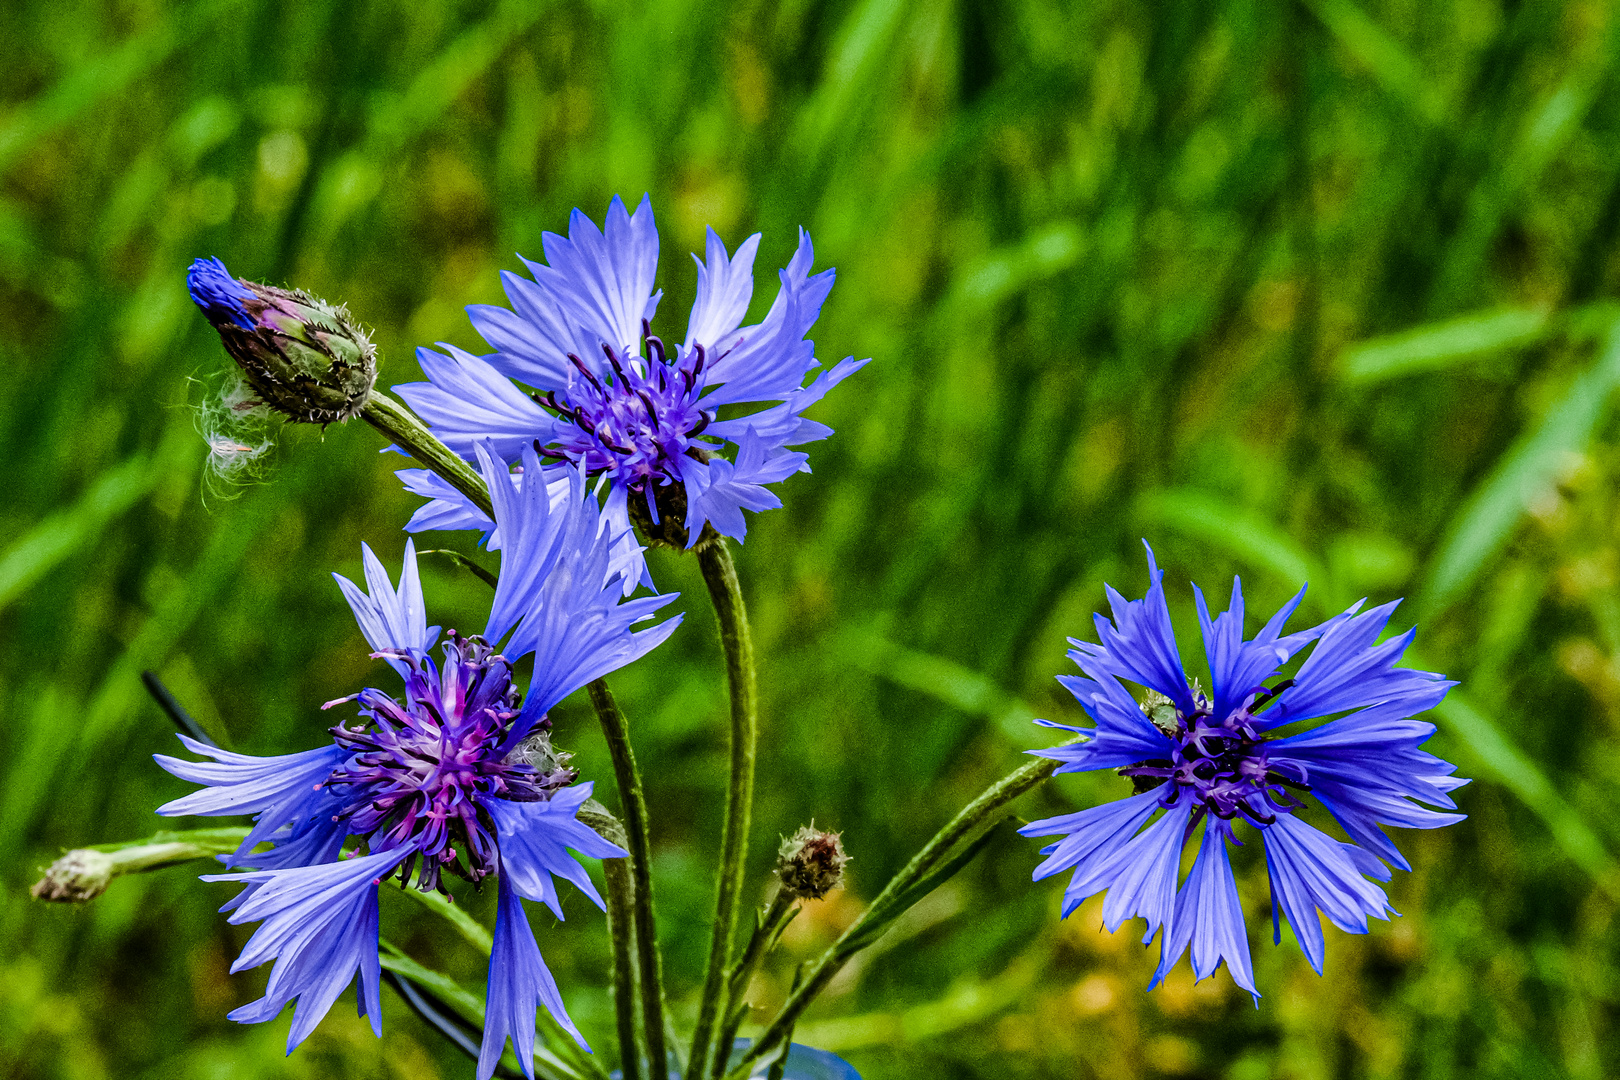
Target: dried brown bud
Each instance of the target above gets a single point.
(811, 863)
(79, 875)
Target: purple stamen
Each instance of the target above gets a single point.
(418, 767)
(1224, 766)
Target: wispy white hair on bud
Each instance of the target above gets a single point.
(234, 427)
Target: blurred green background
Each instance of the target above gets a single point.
(1316, 290)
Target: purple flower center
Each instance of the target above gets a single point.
(1224, 765)
(422, 770)
(637, 423)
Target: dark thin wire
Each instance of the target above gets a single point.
(434, 1013)
(174, 709)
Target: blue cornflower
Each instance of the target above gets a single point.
(607, 396)
(1217, 759)
(458, 775)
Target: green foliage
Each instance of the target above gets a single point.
(1315, 290)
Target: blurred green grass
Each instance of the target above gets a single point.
(1316, 290)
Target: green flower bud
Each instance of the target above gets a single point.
(810, 863)
(302, 357)
(79, 875)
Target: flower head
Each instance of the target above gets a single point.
(1219, 759)
(455, 775)
(810, 863)
(302, 357)
(608, 396)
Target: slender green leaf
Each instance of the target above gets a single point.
(1396, 69)
(471, 930)
(1240, 532)
(1442, 344)
(92, 82)
(63, 534)
(1525, 472)
(880, 919)
(1481, 739)
(946, 681)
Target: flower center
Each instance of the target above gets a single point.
(422, 769)
(1225, 765)
(637, 422)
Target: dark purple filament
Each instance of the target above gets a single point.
(423, 769)
(1224, 765)
(637, 422)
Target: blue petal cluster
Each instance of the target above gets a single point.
(1217, 760)
(606, 395)
(219, 294)
(457, 776)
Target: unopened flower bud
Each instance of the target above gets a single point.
(79, 875)
(550, 765)
(811, 863)
(302, 357)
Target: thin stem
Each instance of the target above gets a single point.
(779, 1066)
(966, 821)
(634, 808)
(412, 436)
(621, 931)
(766, 931)
(720, 575)
(84, 873)
(436, 1015)
(175, 711)
(466, 564)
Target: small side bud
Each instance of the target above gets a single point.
(304, 358)
(550, 765)
(79, 875)
(1160, 710)
(810, 863)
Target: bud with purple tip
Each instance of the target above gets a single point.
(302, 357)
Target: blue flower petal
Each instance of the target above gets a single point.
(466, 400)
(390, 620)
(1140, 644)
(1238, 667)
(602, 280)
(1209, 917)
(770, 360)
(561, 586)
(1093, 842)
(535, 839)
(320, 924)
(724, 287)
(241, 783)
(1310, 871)
(1145, 882)
(519, 983)
(1345, 671)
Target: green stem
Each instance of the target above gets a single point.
(412, 436)
(466, 564)
(634, 808)
(621, 933)
(720, 575)
(966, 822)
(85, 873)
(766, 931)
